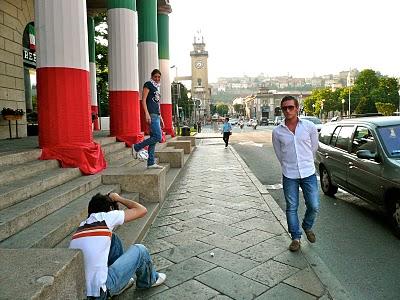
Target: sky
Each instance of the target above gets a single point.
(301, 38)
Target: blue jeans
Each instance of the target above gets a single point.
(155, 137)
(309, 186)
(122, 266)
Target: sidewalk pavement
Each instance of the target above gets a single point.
(220, 235)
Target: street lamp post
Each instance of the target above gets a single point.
(322, 108)
(343, 101)
(398, 109)
(349, 84)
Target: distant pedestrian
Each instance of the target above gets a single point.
(241, 124)
(295, 143)
(151, 107)
(226, 131)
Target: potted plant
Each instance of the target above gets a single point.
(12, 114)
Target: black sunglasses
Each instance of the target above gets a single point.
(288, 107)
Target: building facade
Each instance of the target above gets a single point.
(55, 39)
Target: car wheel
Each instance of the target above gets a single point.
(326, 184)
(395, 216)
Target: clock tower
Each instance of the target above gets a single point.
(200, 88)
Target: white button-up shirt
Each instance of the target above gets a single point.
(296, 151)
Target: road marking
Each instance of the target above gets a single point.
(276, 186)
(251, 143)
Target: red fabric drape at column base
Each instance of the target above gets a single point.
(125, 116)
(89, 158)
(95, 110)
(129, 140)
(63, 106)
(166, 113)
(65, 131)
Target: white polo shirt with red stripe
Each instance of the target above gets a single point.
(93, 237)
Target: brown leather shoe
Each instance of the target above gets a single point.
(310, 235)
(294, 246)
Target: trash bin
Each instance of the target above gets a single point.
(185, 131)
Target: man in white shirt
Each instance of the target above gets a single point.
(295, 143)
(108, 269)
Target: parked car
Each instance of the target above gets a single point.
(250, 122)
(265, 121)
(315, 120)
(278, 120)
(233, 121)
(362, 156)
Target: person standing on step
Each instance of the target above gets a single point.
(108, 269)
(295, 143)
(151, 106)
(226, 131)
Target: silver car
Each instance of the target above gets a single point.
(315, 120)
(362, 156)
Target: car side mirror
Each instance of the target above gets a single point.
(366, 154)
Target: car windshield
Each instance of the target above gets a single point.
(314, 120)
(390, 136)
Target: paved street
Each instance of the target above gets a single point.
(220, 235)
(354, 239)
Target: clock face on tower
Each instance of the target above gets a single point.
(199, 64)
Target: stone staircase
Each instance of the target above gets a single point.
(41, 205)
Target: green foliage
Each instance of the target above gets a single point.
(101, 36)
(386, 109)
(222, 109)
(369, 88)
(213, 109)
(239, 109)
(183, 100)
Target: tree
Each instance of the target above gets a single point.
(222, 109)
(386, 109)
(213, 109)
(239, 109)
(101, 37)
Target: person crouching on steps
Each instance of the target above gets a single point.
(151, 107)
(108, 269)
(226, 131)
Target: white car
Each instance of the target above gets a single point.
(250, 122)
(315, 120)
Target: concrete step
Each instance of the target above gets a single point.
(150, 183)
(105, 140)
(133, 232)
(123, 162)
(52, 229)
(17, 217)
(112, 147)
(192, 139)
(181, 144)
(42, 274)
(19, 157)
(175, 157)
(119, 154)
(20, 190)
(15, 172)
(65, 242)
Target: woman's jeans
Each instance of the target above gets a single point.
(155, 137)
(122, 266)
(309, 186)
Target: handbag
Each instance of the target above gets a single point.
(230, 132)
